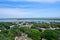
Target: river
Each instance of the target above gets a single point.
(29, 20)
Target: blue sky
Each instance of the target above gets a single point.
(29, 8)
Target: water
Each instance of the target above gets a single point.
(29, 20)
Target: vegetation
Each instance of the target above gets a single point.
(8, 33)
(50, 35)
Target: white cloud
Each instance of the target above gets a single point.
(13, 12)
(37, 0)
(21, 13)
(16, 13)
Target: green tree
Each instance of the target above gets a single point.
(50, 35)
(34, 34)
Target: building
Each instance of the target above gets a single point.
(23, 36)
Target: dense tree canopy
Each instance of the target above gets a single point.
(7, 33)
(51, 34)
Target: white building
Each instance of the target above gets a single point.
(0, 30)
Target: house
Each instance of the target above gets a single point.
(0, 30)
(23, 36)
(25, 25)
(43, 39)
(11, 26)
(59, 38)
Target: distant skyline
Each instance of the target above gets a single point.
(29, 8)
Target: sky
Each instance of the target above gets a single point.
(29, 8)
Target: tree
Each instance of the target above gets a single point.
(34, 34)
(50, 35)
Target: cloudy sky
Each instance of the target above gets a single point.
(29, 8)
